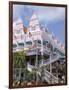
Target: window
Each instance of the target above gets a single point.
(29, 43)
(45, 42)
(21, 44)
(14, 45)
(38, 41)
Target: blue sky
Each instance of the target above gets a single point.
(52, 17)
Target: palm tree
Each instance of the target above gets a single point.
(19, 62)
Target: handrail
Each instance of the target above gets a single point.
(48, 61)
(50, 75)
(47, 75)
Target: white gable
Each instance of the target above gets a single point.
(18, 30)
(34, 23)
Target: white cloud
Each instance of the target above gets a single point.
(51, 14)
(44, 14)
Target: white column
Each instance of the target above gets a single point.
(42, 51)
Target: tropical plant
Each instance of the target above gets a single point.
(19, 62)
(19, 59)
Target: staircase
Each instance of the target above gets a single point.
(48, 61)
(47, 76)
(53, 59)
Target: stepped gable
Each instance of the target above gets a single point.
(33, 26)
(34, 23)
(18, 28)
(20, 24)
